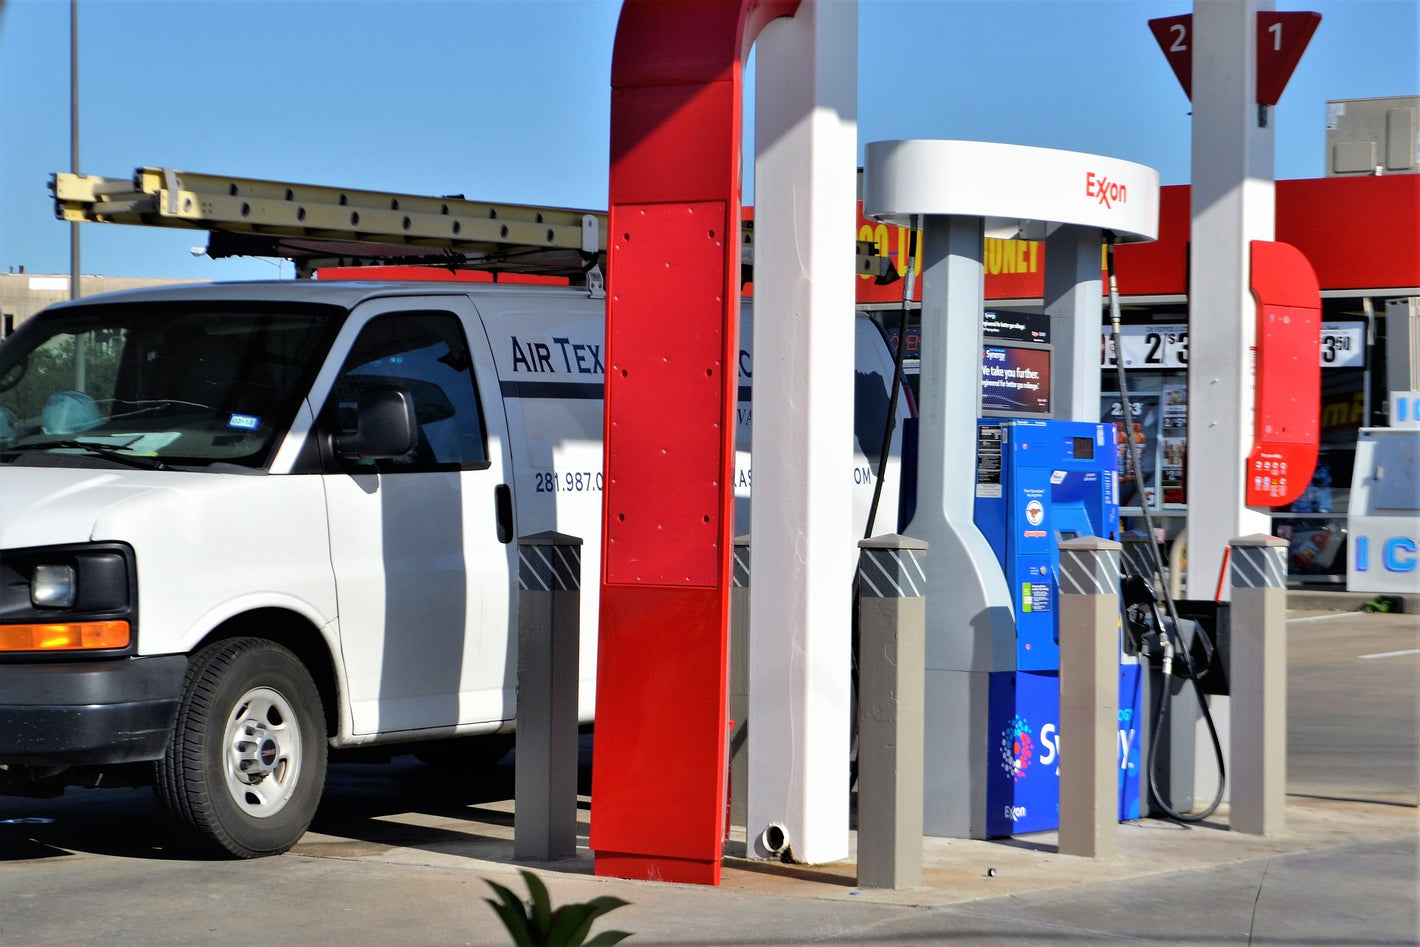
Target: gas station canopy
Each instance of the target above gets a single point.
(1022, 192)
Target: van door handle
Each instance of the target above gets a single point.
(503, 505)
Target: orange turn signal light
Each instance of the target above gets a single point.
(66, 636)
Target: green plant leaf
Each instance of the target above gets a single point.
(513, 914)
(541, 905)
(509, 900)
(571, 922)
(607, 938)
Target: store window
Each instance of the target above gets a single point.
(1315, 523)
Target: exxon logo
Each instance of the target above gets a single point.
(1106, 191)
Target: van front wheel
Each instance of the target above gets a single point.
(245, 765)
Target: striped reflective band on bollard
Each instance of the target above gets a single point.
(892, 573)
(1259, 567)
(1090, 571)
(1136, 557)
(551, 567)
(740, 578)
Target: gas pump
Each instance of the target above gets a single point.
(991, 702)
(1038, 483)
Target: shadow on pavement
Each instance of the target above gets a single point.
(402, 803)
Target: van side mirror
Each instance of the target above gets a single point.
(385, 426)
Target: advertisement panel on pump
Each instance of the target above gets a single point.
(1023, 765)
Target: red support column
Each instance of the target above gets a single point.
(658, 786)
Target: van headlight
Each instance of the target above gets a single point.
(73, 598)
(53, 586)
(94, 579)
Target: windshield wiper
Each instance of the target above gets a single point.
(116, 454)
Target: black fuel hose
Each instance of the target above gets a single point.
(901, 347)
(1161, 709)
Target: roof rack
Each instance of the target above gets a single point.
(316, 226)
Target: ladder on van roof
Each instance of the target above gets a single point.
(316, 226)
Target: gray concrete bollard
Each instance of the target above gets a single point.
(1089, 696)
(892, 657)
(545, 779)
(739, 683)
(1257, 763)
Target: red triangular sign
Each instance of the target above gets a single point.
(1174, 35)
(1281, 40)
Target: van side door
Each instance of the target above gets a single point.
(422, 579)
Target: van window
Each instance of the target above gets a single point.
(426, 354)
(178, 383)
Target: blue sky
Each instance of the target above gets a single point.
(509, 101)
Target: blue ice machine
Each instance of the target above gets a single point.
(1038, 483)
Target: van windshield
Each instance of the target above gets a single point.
(157, 385)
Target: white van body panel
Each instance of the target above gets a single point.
(550, 365)
(42, 506)
(428, 620)
(210, 547)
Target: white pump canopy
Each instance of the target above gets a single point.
(1022, 192)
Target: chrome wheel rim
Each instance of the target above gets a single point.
(263, 752)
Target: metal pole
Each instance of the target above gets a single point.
(74, 266)
(1233, 203)
(975, 636)
(1072, 301)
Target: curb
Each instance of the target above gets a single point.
(1320, 600)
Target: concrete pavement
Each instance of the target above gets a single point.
(399, 857)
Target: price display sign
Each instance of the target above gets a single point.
(1148, 346)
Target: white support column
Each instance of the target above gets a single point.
(1073, 301)
(1233, 204)
(977, 632)
(805, 189)
(971, 632)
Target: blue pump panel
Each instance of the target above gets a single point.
(1039, 482)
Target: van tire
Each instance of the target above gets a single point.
(245, 765)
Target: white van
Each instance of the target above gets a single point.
(244, 524)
